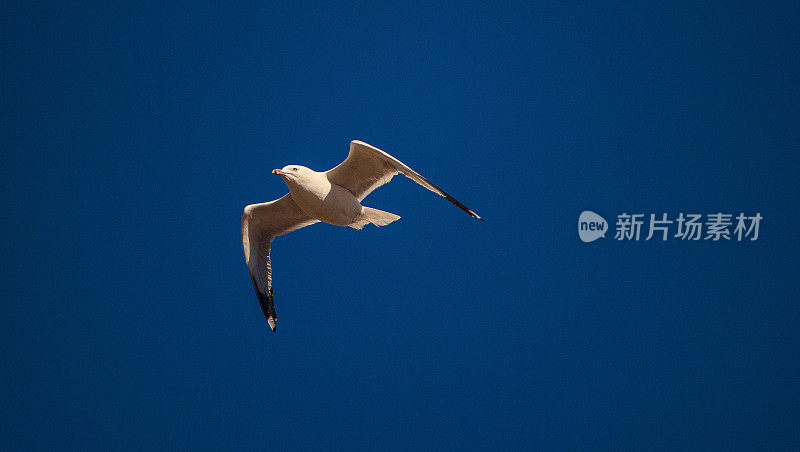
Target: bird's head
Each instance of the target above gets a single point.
(295, 173)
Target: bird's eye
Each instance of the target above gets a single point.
(294, 169)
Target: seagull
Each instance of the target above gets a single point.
(332, 196)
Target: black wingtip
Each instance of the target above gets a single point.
(458, 204)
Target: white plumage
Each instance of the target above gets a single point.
(332, 196)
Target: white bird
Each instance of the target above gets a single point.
(333, 196)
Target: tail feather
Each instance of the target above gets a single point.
(374, 216)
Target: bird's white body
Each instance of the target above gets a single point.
(319, 198)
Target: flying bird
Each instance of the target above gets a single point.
(332, 196)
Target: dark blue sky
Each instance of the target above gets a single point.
(133, 136)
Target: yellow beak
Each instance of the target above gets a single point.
(278, 172)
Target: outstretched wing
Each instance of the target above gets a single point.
(260, 224)
(367, 168)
